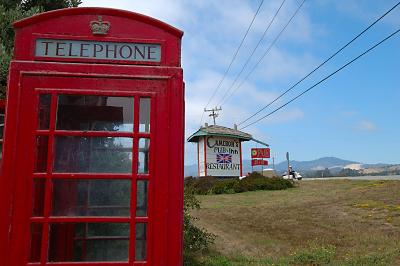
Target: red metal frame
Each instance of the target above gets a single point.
(163, 84)
(241, 158)
(124, 25)
(2, 112)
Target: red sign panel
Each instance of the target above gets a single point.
(256, 162)
(260, 153)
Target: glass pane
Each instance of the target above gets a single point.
(144, 115)
(93, 154)
(140, 252)
(36, 240)
(88, 242)
(1, 124)
(142, 198)
(143, 160)
(41, 154)
(44, 111)
(97, 113)
(39, 186)
(91, 197)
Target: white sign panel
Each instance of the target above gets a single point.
(223, 156)
(140, 52)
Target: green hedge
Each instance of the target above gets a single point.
(211, 185)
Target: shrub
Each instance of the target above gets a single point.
(224, 186)
(255, 181)
(203, 185)
(262, 183)
(195, 239)
(255, 175)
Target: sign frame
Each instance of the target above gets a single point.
(260, 153)
(258, 162)
(95, 38)
(212, 167)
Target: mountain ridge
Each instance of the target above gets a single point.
(334, 164)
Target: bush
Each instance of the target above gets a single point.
(255, 175)
(195, 239)
(201, 186)
(224, 186)
(255, 181)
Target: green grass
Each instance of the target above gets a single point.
(336, 222)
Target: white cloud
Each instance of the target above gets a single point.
(282, 116)
(284, 65)
(173, 12)
(365, 125)
(213, 31)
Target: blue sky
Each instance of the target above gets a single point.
(354, 115)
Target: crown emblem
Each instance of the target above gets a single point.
(99, 27)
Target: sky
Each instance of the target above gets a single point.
(354, 115)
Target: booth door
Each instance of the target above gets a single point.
(86, 174)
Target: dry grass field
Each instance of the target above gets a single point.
(335, 222)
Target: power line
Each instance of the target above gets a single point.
(325, 78)
(323, 63)
(266, 52)
(233, 58)
(252, 53)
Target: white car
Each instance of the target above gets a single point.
(297, 176)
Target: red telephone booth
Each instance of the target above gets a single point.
(93, 145)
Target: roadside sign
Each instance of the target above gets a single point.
(260, 153)
(256, 162)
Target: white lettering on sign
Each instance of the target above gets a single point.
(141, 52)
(223, 156)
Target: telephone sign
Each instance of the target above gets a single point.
(99, 50)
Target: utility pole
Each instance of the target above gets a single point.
(288, 165)
(214, 112)
(273, 160)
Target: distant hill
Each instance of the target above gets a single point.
(318, 164)
(334, 165)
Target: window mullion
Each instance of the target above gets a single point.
(48, 188)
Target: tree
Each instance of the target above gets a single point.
(323, 173)
(348, 172)
(48, 5)
(10, 11)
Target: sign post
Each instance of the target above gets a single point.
(273, 160)
(287, 158)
